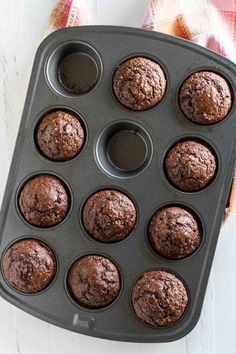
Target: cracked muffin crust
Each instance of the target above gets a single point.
(159, 298)
(29, 266)
(174, 232)
(139, 83)
(205, 98)
(109, 215)
(43, 201)
(94, 281)
(190, 166)
(60, 136)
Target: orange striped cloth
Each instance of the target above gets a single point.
(210, 23)
(68, 13)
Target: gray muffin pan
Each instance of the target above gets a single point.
(141, 177)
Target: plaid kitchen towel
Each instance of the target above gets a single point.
(210, 23)
(68, 13)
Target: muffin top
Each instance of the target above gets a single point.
(29, 266)
(139, 83)
(159, 298)
(205, 98)
(94, 281)
(60, 136)
(190, 165)
(44, 201)
(174, 232)
(109, 215)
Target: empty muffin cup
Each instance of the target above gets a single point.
(124, 149)
(78, 73)
(74, 68)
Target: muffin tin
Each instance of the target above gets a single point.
(149, 135)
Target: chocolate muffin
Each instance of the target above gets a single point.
(43, 201)
(159, 298)
(94, 281)
(174, 232)
(139, 83)
(205, 98)
(190, 166)
(29, 266)
(60, 136)
(109, 215)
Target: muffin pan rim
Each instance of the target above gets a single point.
(36, 238)
(65, 184)
(231, 88)
(64, 93)
(70, 296)
(197, 216)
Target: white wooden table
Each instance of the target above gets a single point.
(21, 26)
